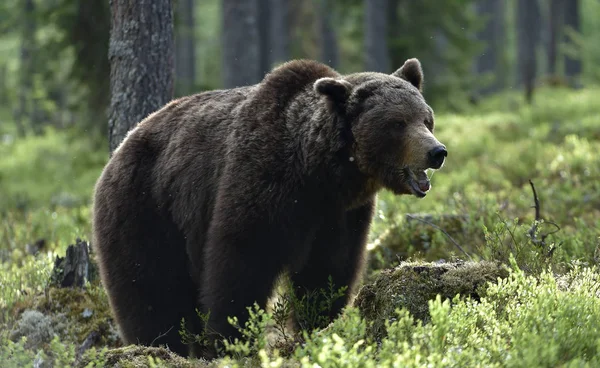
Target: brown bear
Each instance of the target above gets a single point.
(210, 199)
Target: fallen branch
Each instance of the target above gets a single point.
(443, 231)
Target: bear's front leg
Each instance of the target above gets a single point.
(240, 268)
(337, 253)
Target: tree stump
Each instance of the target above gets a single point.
(75, 268)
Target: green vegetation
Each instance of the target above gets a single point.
(541, 306)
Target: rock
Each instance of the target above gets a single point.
(37, 327)
(412, 284)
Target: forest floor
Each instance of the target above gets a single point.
(496, 266)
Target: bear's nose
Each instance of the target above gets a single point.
(436, 157)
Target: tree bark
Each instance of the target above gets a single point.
(24, 116)
(492, 34)
(280, 31)
(329, 47)
(528, 33)
(555, 26)
(141, 59)
(75, 268)
(572, 20)
(376, 35)
(241, 65)
(185, 48)
(396, 56)
(264, 42)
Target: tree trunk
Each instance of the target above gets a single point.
(572, 20)
(24, 115)
(528, 33)
(185, 52)
(555, 26)
(329, 46)
(241, 65)
(396, 56)
(264, 44)
(280, 31)
(376, 34)
(492, 34)
(141, 60)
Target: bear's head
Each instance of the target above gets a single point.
(391, 125)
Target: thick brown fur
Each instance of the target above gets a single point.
(208, 200)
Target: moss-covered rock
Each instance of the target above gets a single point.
(36, 327)
(412, 284)
(78, 312)
(134, 356)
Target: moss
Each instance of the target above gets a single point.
(134, 356)
(412, 284)
(80, 311)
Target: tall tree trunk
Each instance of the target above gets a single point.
(24, 115)
(572, 20)
(555, 26)
(241, 65)
(264, 42)
(492, 34)
(185, 48)
(376, 35)
(141, 62)
(396, 56)
(329, 46)
(280, 31)
(528, 33)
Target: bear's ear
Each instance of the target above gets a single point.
(411, 72)
(338, 90)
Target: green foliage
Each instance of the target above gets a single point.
(253, 334)
(482, 198)
(522, 321)
(188, 337)
(19, 279)
(52, 169)
(493, 153)
(14, 354)
(312, 309)
(442, 36)
(344, 343)
(582, 45)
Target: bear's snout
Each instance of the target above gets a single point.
(437, 156)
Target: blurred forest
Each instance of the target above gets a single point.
(514, 85)
(54, 59)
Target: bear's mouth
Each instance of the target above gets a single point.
(417, 181)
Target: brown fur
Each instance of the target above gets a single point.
(212, 197)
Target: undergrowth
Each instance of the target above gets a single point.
(481, 207)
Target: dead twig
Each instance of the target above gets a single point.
(536, 202)
(443, 232)
(541, 241)
(160, 336)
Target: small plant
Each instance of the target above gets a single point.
(188, 337)
(254, 338)
(313, 309)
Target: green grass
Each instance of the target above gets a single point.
(482, 198)
(493, 153)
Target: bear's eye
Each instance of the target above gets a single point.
(429, 124)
